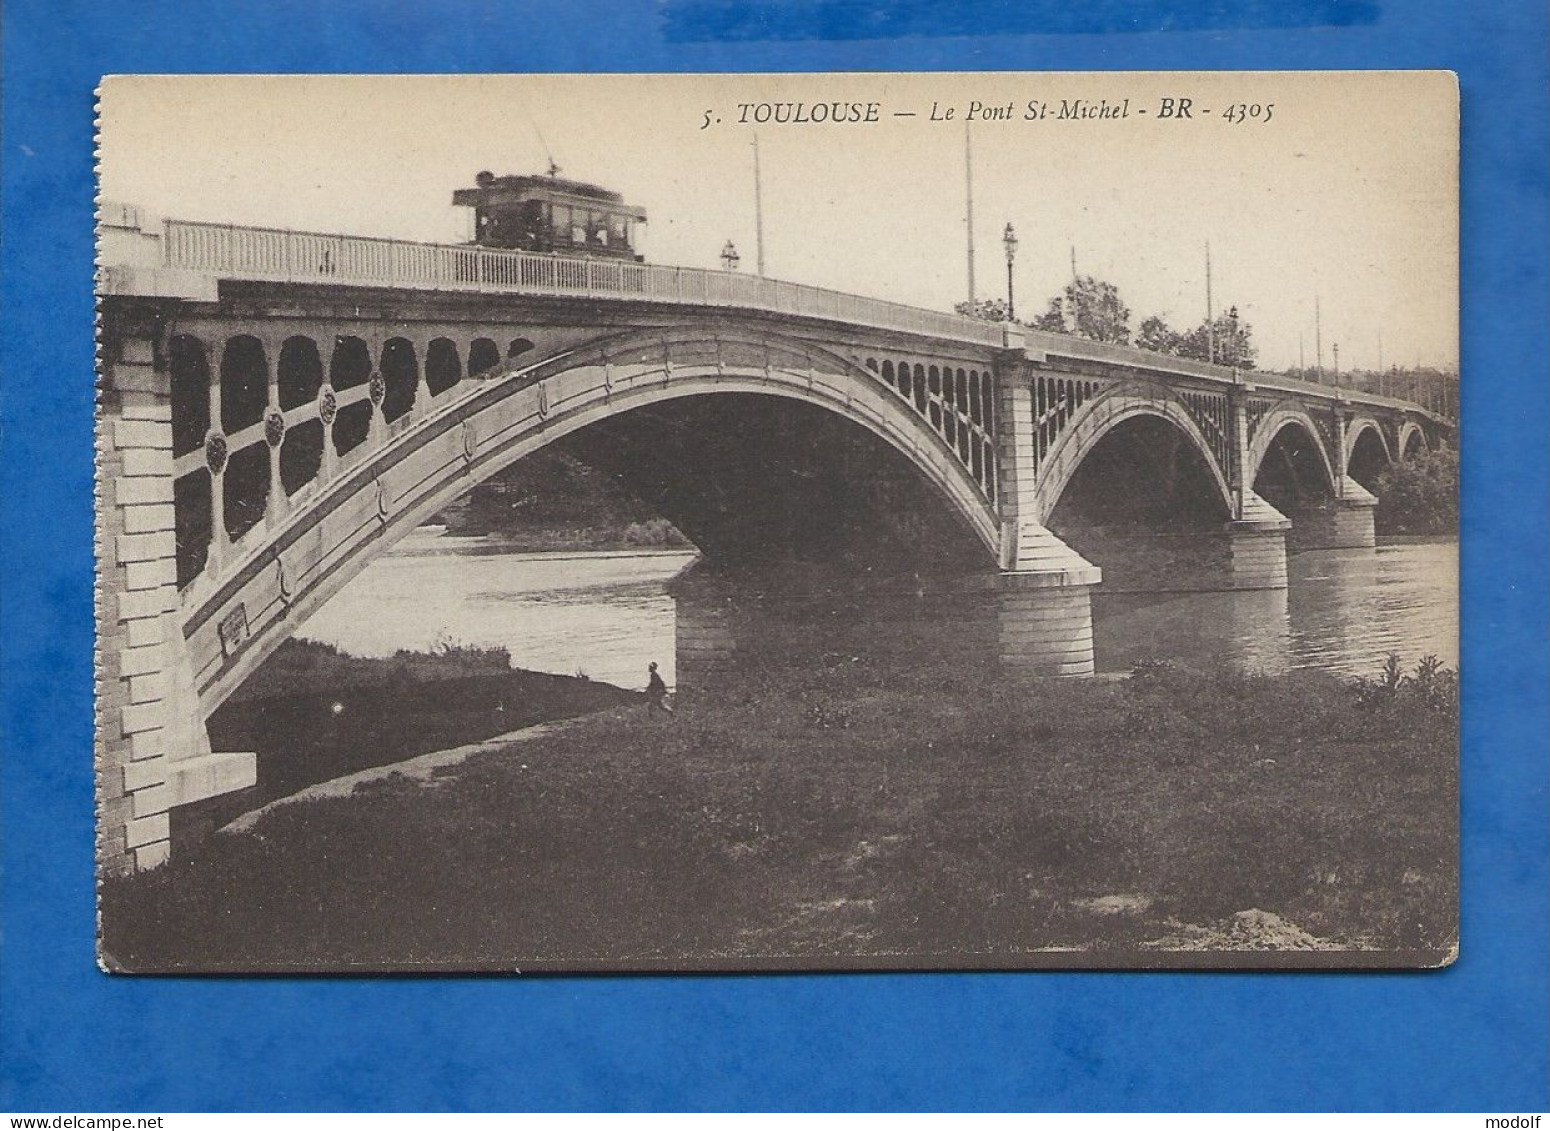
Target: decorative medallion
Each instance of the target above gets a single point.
(543, 400)
(215, 452)
(328, 405)
(470, 441)
(384, 505)
(377, 388)
(608, 375)
(274, 428)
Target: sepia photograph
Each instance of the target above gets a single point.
(832, 521)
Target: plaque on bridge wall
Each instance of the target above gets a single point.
(764, 522)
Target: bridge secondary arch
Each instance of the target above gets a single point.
(1104, 414)
(1412, 440)
(1367, 451)
(230, 626)
(1271, 426)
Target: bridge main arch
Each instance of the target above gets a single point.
(232, 621)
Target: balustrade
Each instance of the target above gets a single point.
(302, 257)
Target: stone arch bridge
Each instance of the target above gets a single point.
(278, 408)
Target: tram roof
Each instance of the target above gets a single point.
(516, 189)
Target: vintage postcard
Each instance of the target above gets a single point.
(745, 522)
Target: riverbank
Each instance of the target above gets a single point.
(313, 712)
(552, 501)
(850, 813)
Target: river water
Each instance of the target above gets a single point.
(606, 615)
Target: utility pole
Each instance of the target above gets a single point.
(1302, 367)
(1336, 348)
(1009, 240)
(1210, 314)
(758, 206)
(1073, 292)
(968, 190)
(1318, 342)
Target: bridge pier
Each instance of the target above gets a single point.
(704, 630)
(1240, 555)
(1337, 524)
(152, 751)
(1244, 554)
(1044, 607)
(1257, 544)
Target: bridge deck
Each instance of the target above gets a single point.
(234, 252)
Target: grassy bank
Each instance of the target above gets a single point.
(313, 713)
(847, 812)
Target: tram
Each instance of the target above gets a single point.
(549, 214)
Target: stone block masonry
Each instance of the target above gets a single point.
(151, 749)
(1046, 628)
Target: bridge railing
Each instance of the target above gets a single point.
(1044, 344)
(231, 252)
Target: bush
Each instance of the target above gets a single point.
(1420, 495)
(652, 532)
(1432, 685)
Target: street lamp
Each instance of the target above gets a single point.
(729, 257)
(1009, 239)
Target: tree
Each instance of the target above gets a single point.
(1420, 495)
(986, 309)
(1156, 335)
(1232, 345)
(1052, 320)
(1088, 308)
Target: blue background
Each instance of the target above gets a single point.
(1473, 1037)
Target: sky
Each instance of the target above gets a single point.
(1344, 192)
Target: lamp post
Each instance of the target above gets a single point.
(1009, 239)
(729, 257)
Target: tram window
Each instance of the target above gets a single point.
(618, 231)
(560, 220)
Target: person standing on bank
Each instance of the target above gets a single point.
(657, 696)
